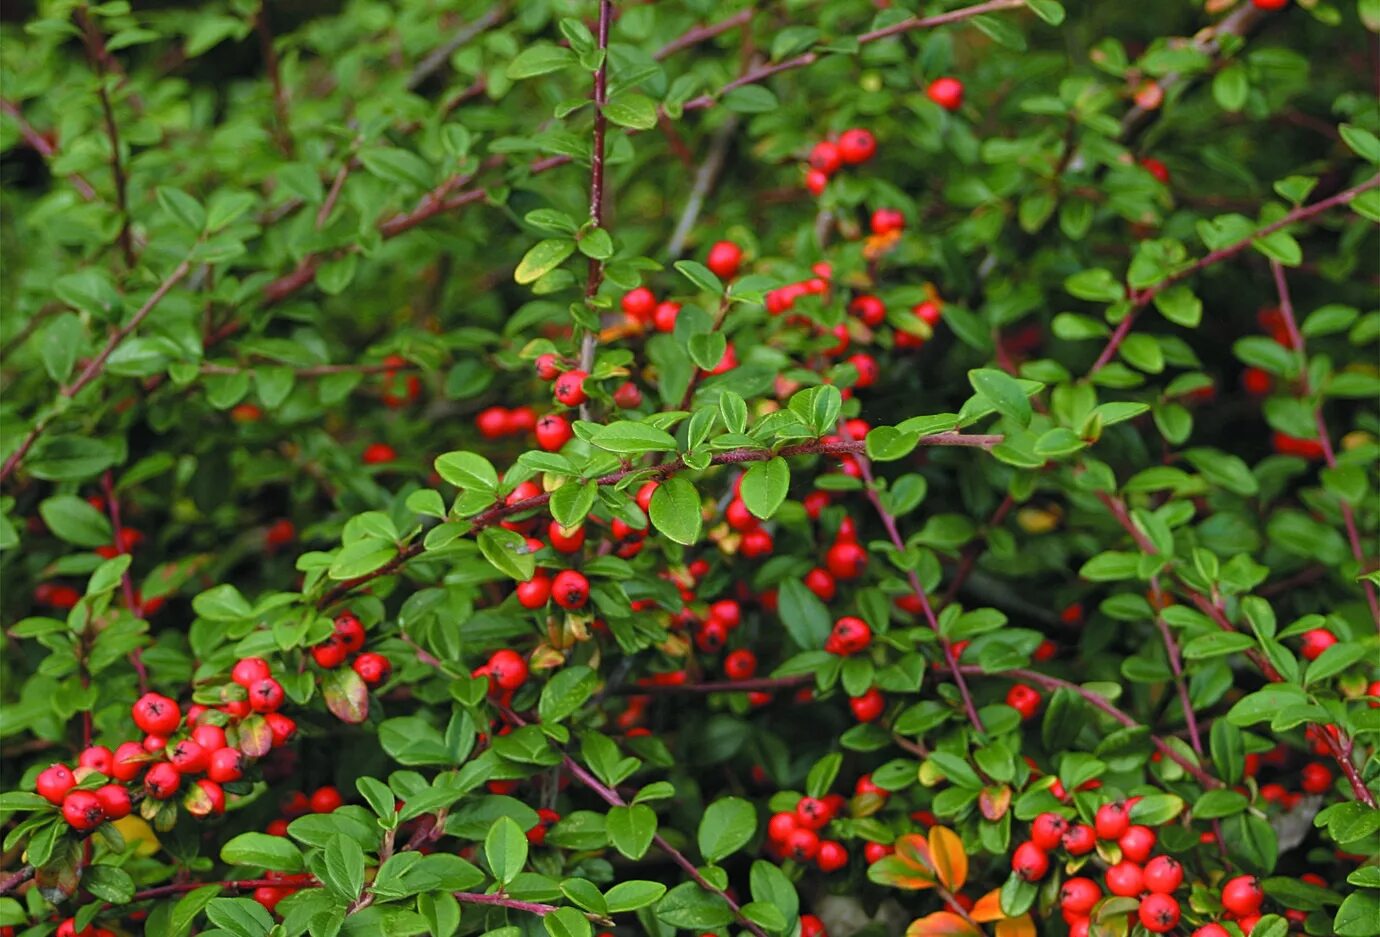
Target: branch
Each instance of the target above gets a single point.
(281, 135)
(40, 145)
(889, 522)
(441, 54)
(99, 56)
(974, 550)
(12, 881)
(1104, 705)
(1286, 307)
(501, 511)
(97, 364)
(1176, 665)
(701, 33)
(596, 184)
(705, 177)
(1143, 298)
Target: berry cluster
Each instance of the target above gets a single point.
(348, 638)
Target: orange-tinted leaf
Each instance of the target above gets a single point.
(346, 695)
(988, 908)
(255, 737)
(941, 924)
(914, 850)
(1021, 926)
(898, 873)
(949, 858)
(994, 801)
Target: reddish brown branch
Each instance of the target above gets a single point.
(281, 113)
(100, 60)
(703, 33)
(41, 145)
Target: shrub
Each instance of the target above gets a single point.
(557, 467)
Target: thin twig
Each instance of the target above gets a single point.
(590, 340)
(441, 54)
(12, 881)
(1176, 666)
(282, 135)
(702, 33)
(40, 145)
(705, 177)
(96, 52)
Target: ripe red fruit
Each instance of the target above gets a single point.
(875, 852)
(1047, 830)
(54, 782)
(114, 800)
(1078, 895)
(1030, 862)
(811, 926)
(269, 896)
(1024, 699)
(781, 826)
(665, 316)
(1156, 168)
(740, 664)
(325, 799)
(249, 670)
(887, 221)
(209, 737)
(846, 559)
(850, 635)
(1270, 4)
(946, 92)
(1159, 913)
(1163, 874)
(553, 431)
(1316, 778)
(1212, 930)
(188, 757)
(1079, 840)
(266, 695)
(1126, 879)
(1112, 821)
(162, 781)
(508, 669)
(215, 795)
(330, 653)
(127, 762)
(282, 727)
(378, 453)
(724, 259)
(628, 395)
(727, 611)
(1137, 843)
(869, 706)
(739, 517)
(82, 810)
(857, 146)
(802, 845)
(812, 813)
(570, 589)
(156, 714)
(349, 630)
(867, 368)
(639, 304)
(535, 592)
(756, 543)
(711, 636)
(566, 539)
(225, 765)
(831, 856)
(869, 309)
(1315, 641)
(569, 388)
(821, 583)
(548, 366)
(373, 668)
(493, 423)
(825, 158)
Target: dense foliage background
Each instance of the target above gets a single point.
(1015, 484)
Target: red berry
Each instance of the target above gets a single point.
(82, 810)
(781, 826)
(162, 781)
(1163, 874)
(1078, 895)
(330, 653)
(867, 368)
(1030, 862)
(553, 431)
(1137, 843)
(821, 583)
(1156, 168)
(97, 758)
(266, 695)
(350, 631)
(156, 714)
(535, 592)
(188, 757)
(724, 259)
(114, 800)
(825, 158)
(850, 635)
(875, 852)
(215, 796)
(269, 896)
(831, 856)
(639, 304)
(869, 706)
(1270, 4)
(508, 669)
(711, 636)
(373, 668)
(802, 845)
(378, 453)
(1212, 930)
(54, 782)
(1159, 913)
(493, 423)
(665, 316)
(1316, 778)
(1315, 641)
(1079, 840)
(756, 543)
(644, 496)
(127, 762)
(857, 146)
(249, 670)
(628, 395)
(1048, 830)
(569, 388)
(727, 611)
(548, 367)
(812, 813)
(570, 589)
(282, 727)
(566, 539)
(888, 221)
(1112, 821)
(209, 737)
(811, 926)
(325, 799)
(225, 765)
(1126, 879)
(740, 664)
(1257, 383)
(946, 92)
(1024, 699)
(846, 559)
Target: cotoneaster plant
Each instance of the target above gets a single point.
(585, 467)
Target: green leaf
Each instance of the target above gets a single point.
(185, 209)
(567, 922)
(675, 510)
(631, 829)
(633, 894)
(751, 99)
(1048, 10)
(701, 276)
(1219, 803)
(393, 164)
(344, 866)
(765, 485)
(1231, 87)
(1095, 285)
(1362, 142)
(631, 110)
(726, 827)
(505, 849)
(70, 458)
(540, 59)
(804, 616)
(566, 692)
(243, 917)
(542, 258)
(1001, 390)
(262, 852)
(74, 520)
(507, 551)
(570, 503)
(467, 470)
(629, 438)
(690, 907)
